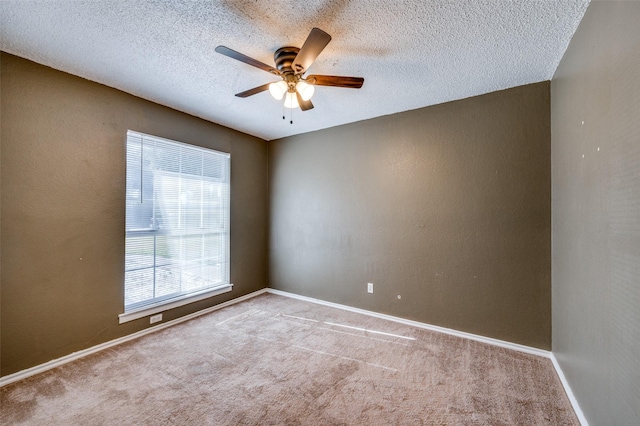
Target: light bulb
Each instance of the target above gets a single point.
(291, 100)
(305, 89)
(278, 89)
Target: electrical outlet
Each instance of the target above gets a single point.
(369, 287)
(155, 318)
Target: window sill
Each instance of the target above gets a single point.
(172, 303)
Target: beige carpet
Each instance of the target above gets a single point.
(278, 361)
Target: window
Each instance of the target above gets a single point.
(177, 225)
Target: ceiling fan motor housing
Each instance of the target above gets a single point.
(284, 58)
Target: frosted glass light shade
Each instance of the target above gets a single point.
(278, 89)
(306, 90)
(291, 100)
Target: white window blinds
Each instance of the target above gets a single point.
(177, 221)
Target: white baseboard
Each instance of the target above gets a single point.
(77, 355)
(569, 392)
(470, 336)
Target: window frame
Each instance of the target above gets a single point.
(176, 299)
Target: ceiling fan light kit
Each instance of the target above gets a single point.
(291, 65)
(291, 101)
(278, 89)
(306, 90)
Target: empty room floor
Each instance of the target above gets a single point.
(277, 360)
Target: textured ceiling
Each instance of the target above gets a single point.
(412, 53)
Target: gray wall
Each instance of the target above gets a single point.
(63, 206)
(596, 213)
(447, 207)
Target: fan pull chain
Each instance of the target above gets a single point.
(284, 114)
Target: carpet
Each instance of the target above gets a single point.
(273, 360)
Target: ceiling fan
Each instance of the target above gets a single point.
(291, 64)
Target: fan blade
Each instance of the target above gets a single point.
(313, 45)
(336, 81)
(247, 60)
(304, 105)
(253, 91)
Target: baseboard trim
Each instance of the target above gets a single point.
(489, 340)
(11, 378)
(569, 392)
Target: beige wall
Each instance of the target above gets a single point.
(595, 116)
(447, 207)
(63, 205)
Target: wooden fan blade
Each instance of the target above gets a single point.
(336, 81)
(313, 45)
(247, 60)
(253, 91)
(304, 105)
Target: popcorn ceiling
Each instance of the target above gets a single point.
(411, 53)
